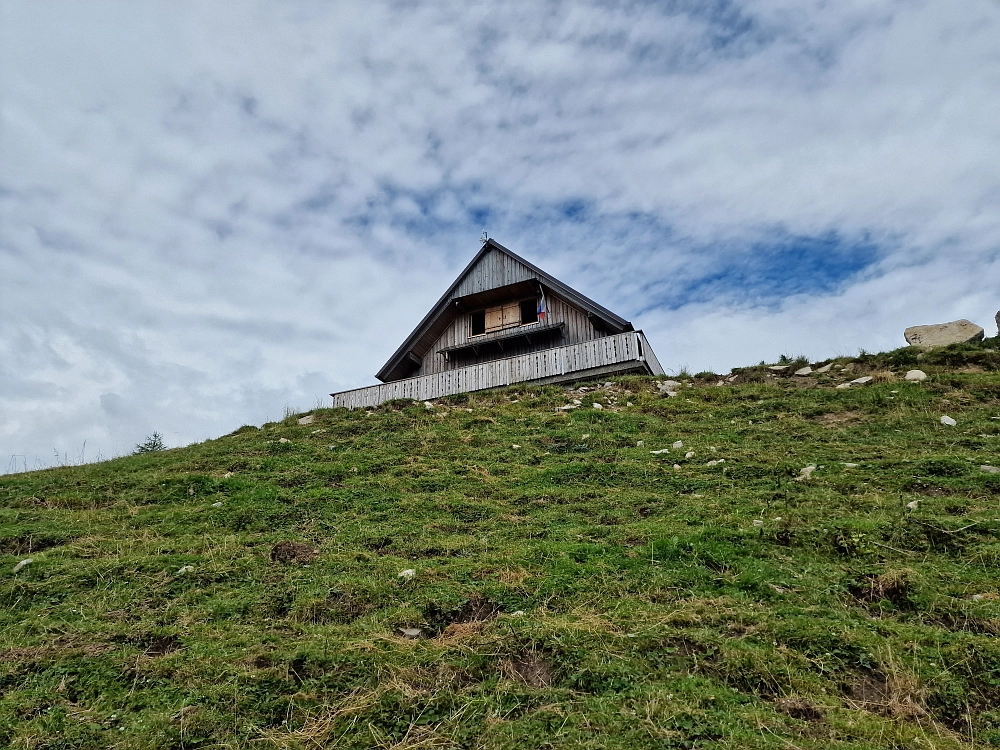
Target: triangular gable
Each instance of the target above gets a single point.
(493, 267)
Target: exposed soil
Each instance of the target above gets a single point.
(533, 669)
(287, 552)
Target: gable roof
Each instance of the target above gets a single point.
(473, 287)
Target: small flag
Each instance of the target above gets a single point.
(542, 308)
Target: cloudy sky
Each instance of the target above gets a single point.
(210, 211)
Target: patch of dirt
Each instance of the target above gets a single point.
(28, 544)
(533, 669)
(286, 552)
(893, 585)
(478, 609)
(459, 631)
(839, 418)
(799, 708)
(160, 645)
(896, 695)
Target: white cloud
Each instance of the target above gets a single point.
(208, 212)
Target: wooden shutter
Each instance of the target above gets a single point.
(494, 319)
(511, 315)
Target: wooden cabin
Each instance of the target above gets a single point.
(506, 321)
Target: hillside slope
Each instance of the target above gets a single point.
(573, 585)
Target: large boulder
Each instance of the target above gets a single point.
(943, 334)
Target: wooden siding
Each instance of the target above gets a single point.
(621, 352)
(495, 269)
(577, 328)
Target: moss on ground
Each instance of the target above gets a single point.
(572, 588)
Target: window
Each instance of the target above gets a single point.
(529, 311)
(479, 323)
(504, 316)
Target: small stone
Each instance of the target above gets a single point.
(639, 443)
(850, 466)
(913, 504)
(804, 371)
(24, 563)
(943, 334)
(308, 419)
(713, 449)
(843, 386)
(671, 394)
(628, 403)
(567, 407)
(661, 451)
(284, 440)
(778, 368)
(689, 454)
(584, 437)
(946, 420)
(217, 505)
(678, 444)
(411, 632)
(824, 369)
(407, 575)
(668, 385)
(517, 613)
(805, 473)
(677, 466)
(757, 523)
(716, 461)
(515, 446)
(863, 380)
(598, 406)
(227, 475)
(577, 401)
(990, 469)
(848, 367)
(978, 597)
(916, 376)
(428, 405)
(185, 569)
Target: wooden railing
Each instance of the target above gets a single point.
(623, 352)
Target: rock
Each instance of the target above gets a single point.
(518, 613)
(516, 446)
(943, 334)
(946, 420)
(843, 386)
(805, 473)
(850, 466)
(284, 440)
(778, 368)
(689, 454)
(917, 376)
(663, 450)
(678, 444)
(913, 504)
(990, 469)
(185, 569)
(411, 632)
(22, 564)
(863, 380)
(716, 461)
(677, 466)
(824, 369)
(407, 575)
(568, 407)
(757, 523)
(639, 443)
(217, 505)
(428, 405)
(670, 394)
(847, 368)
(668, 385)
(576, 401)
(308, 419)
(598, 406)
(804, 371)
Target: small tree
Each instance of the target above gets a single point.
(151, 444)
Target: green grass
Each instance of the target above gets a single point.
(574, 592)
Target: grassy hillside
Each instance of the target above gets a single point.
(571, 588)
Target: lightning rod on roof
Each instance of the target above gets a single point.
(485, 237)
